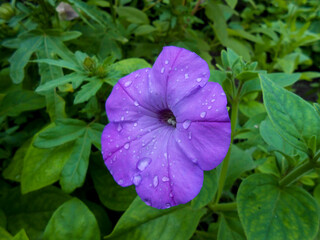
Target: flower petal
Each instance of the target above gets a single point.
(176, 73)
(130, 98)
(204, 143)
(207, 105)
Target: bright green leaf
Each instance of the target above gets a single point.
(88, 90)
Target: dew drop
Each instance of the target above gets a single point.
(136, 103)
(203, 114)
(162, 70)
(119, 128)
(126, 146)
(186, 76)
(194, 160)
(165, 155)
(223, 94)
(147, 202)
(209, 107)
(122, 118)
(136, 180)
(155, 181)
(190, 135)
(166, 62)
(199, 79)
(171, 195)
(120, 181)
(212, 100)
(143, 163)
(135, 124)
(186, 124)
(165, 179)
(168, 205)
(128, 83)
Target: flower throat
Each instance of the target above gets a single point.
(166, 116)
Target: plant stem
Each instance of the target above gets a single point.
(224, 207)
(225, 163)
(295, 174)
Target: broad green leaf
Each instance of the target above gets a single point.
(88, 90)
(232, 3)
(94, 133)
(251, 108)
(144, 222)
(75, 169)
(281, 79)
(89, 10)
(32, 211)
(21, 57)
(55, 105)
(14, 170)
(4, 235)
(217, 76)
(60, 63)
(292, 117)
(124, 67)
(21, 235)
(66, 130)
(42, 167)
(230, 227)
(240, 162)
(215, 14)
(133, 15)
(110, 193)
(144, 30)
(268, 211)
(60, 81)
(208, 190)
(72, 220)
(20, 101)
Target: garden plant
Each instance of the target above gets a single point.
(158, 119)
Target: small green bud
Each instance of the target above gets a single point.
(89, 64)
(6, 11)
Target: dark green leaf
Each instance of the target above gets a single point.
(133, 15)
(88, 90)
(268, 211)
(72, 220)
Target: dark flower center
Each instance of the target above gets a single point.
(166, 116)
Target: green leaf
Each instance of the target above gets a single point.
(21, 57)
(94, 133)
(232, 3)
(124, 67)
(66, 130)
(60, 81)
(4, 235)
(72, 220)
(110, 193)
(143, 222)
(240, 162)
(281, 79)
(42, 167)
(208, 190)
(88, 90)
(60, 63)
(217, 76)
(75, 169)
(230, 227)
(21, 235)
(251, 108)
(32, 211)
(144, 30)
(133, 15)
(292, 117)
(14, 170)
(20, 101)
(268, 211)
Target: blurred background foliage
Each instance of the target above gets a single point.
(58, 66)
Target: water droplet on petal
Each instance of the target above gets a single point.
(170, 195)
(135, 124)
(119, 128)
(136, 180)
(155, 181)
(168, 205)
(162, 70)
(165, 179)
(212, 100)
(223, 94)
(186, 124)
(209, 107)
(122, 118)
(137, 75)
(166, 62)
(120, 181)
(199, 79)
(128, 83)
(165, 155)
(194, 160)
(136, 103)
(147, 202)
(143, 163)
(203, 114)
(126, 146)
(190, 135)
(186, 76)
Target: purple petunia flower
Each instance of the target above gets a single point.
(167, 125)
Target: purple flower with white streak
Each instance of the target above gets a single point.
(167, 125)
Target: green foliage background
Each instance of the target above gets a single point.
(56, 74)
